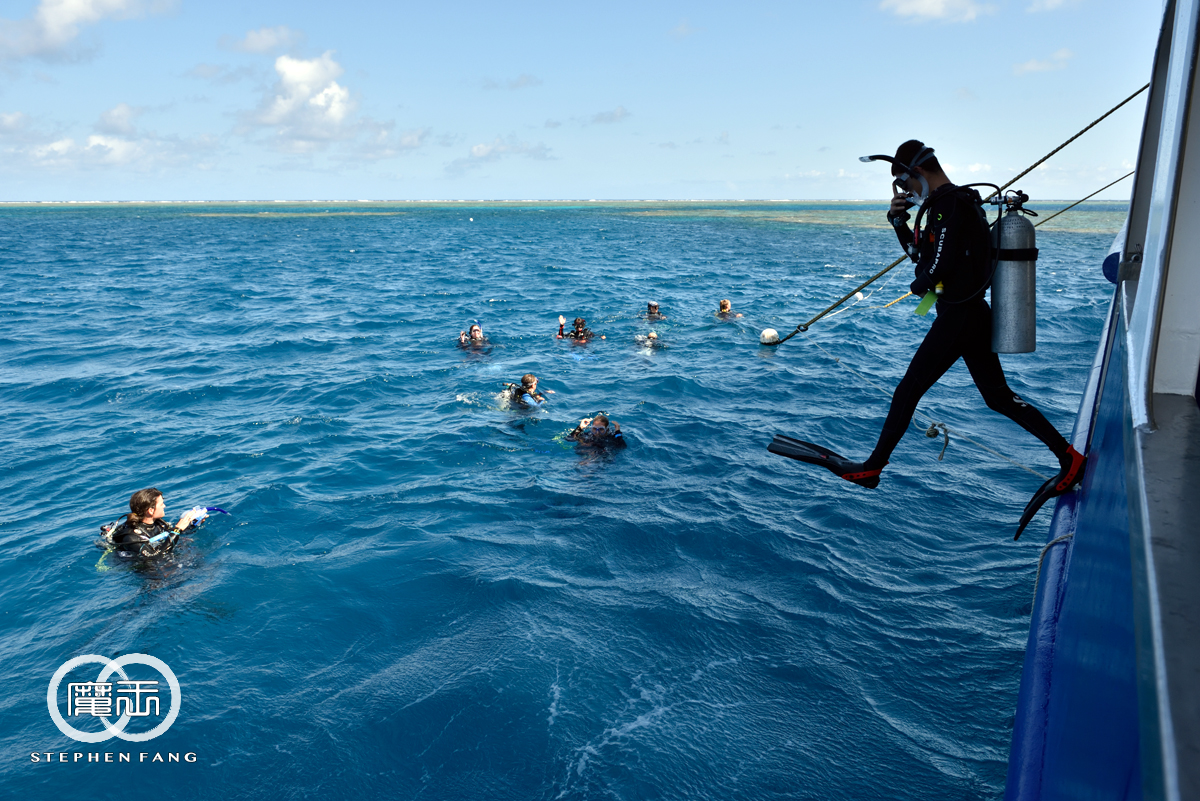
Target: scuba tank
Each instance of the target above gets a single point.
(1014, 283)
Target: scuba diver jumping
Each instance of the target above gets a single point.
(953, 257)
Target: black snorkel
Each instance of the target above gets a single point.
(907, 172)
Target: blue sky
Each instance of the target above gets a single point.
(178, 99)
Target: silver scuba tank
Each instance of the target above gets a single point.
(1014, 285)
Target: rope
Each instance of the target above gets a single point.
(1077, 202)
(1072, 139)
(932, 423)
(1037, 578)
(802, 328)
(868, 296)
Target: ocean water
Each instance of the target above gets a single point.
(422, 593)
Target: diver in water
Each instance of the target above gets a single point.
(145, 532)
(649, 341)
(953, 259)
(525, 394)
(597, 432)
(579, 332)
(472, 337)
(652, 312)
(725, 310)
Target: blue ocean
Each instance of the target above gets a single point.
(420, 592)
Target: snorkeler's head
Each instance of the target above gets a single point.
(600, 420)
(529, 380)
(725, 305)
(580, 322)
(652, 307)
(475, 331)
(913, 154)
(652, 335)
(144, 502)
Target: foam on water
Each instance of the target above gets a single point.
(419, 591)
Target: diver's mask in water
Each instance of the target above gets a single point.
(908, 172)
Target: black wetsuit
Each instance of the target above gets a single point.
(582, 335)
(131, 538)
(952, 249)
(607, 437)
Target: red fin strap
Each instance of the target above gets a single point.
(864, 474)
(1072, 476)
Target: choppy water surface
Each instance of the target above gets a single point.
(422, 593)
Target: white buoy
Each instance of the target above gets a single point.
(769, 336)
(858, 296)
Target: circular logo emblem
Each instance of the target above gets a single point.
(98, 698)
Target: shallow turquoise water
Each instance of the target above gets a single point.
(420, 592)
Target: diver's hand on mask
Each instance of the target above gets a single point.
(900, 205)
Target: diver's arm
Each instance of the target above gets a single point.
(940, 241)
(898, 216)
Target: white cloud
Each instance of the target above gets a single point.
(683, 30)
(522, 81)
(119, 120)
(379, 140)
(497, 149)
(979, 168)
(50, 32)
(12, 122)
(307, 107)
(307, 111)
(1049, 5)
(1056, 62)
(609, 117)
(116, 143)
(948, 10)
(264, 40)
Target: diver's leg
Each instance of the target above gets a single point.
(989, 378)
(938, 352)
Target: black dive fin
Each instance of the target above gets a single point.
(839, 465)
(1047, 491)
(1067, 478)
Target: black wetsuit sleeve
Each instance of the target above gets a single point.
(939, 244)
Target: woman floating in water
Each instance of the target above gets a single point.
(472, 337)
(145, 532)
(525, 394)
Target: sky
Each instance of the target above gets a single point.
(302, 100)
